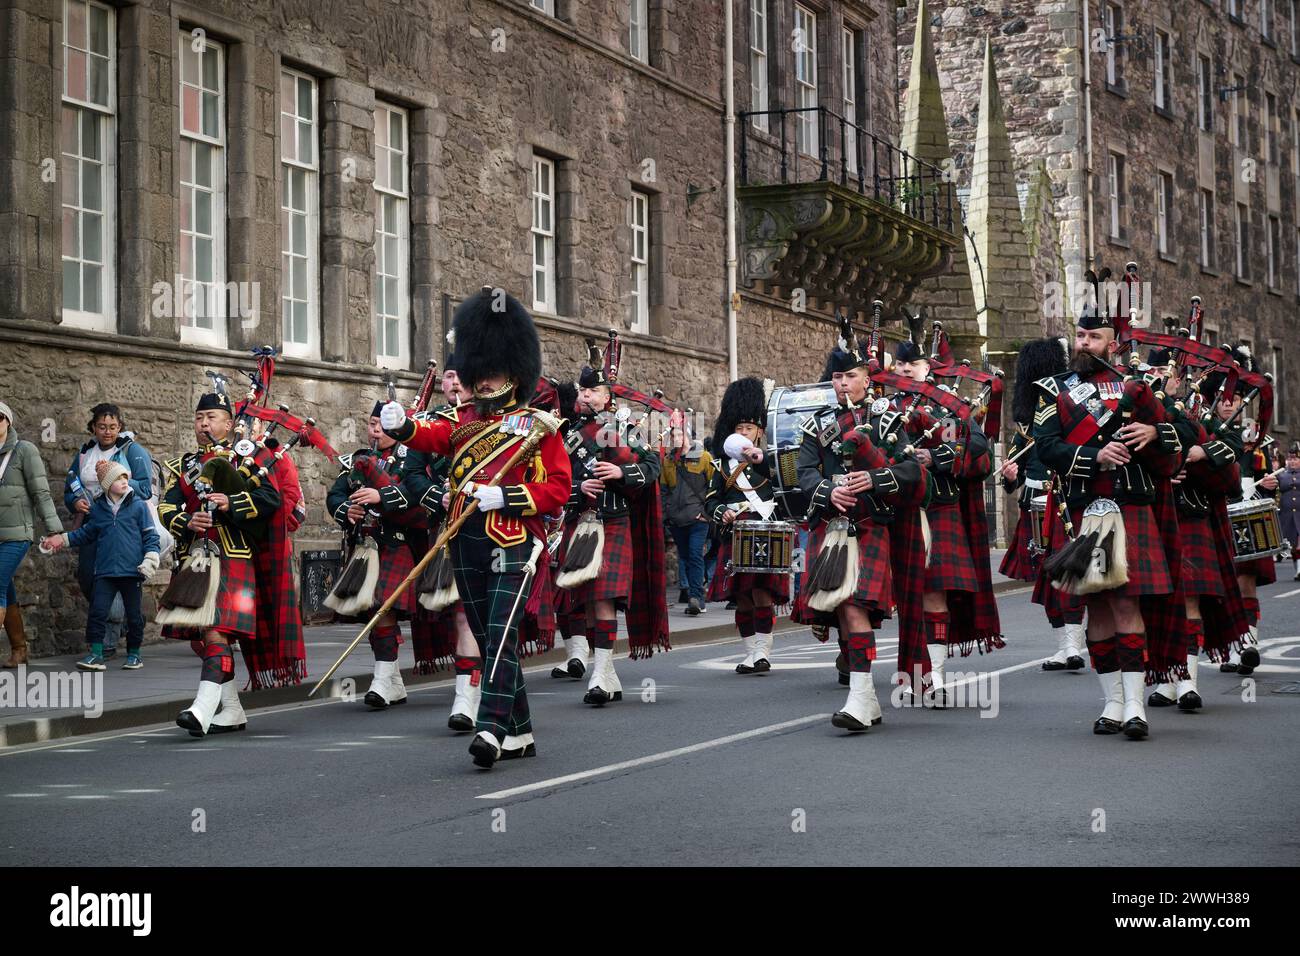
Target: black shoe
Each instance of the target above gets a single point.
(597, 697)
(484, 754)
(731, 605)
(461, 723)
(840, 665)
(1189, 702)
(1249, 660)
(558, 671)
(846, 721)
(843, 678)
(1104, 725)
(1227, 667)
(1158, 699)
(574, 668)
(1075, 663)
(1135, 728)
(693, 608)
(762, 665)
(1050, 665)
(187, 721)
(683, 596)
(743, 668)
(528, 750)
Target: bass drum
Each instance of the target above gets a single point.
(787, 410)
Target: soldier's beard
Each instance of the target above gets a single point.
(486, 407)
(1085, 364)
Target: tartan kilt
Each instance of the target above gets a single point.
(1018, 563)
(236, 604)
(614, 582)
(1264, 570)
(1201, 571)
(433, 638)
(394, 565)
(951, 567)
(726, 586)
(1148, 570)
(875, 590)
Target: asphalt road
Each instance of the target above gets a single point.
(332, 783)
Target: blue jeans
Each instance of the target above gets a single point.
(129, 591)
(11, 555)
(690, 541)
(86, 579)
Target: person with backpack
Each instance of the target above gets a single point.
(120, 526)
(110, 441)
(686, 477)
(24, 490)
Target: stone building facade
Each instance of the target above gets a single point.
(335, 177)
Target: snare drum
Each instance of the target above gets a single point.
(1038, 540)
(1256, 529)
(787, 409)
(762, 547)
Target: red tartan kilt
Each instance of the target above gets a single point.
(614, 582)
(1148, 570)
(1202, 571)
(394, 565)
(875, 588)
(951, 567)
(1017, 563)
(433, 638)
(1263, 570)
(236, 604)
(725, 586)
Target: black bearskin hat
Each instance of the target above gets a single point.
(1037, 359)
(494, 335)
(743, 401)
(1215, 380)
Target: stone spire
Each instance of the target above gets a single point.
(1006, 299)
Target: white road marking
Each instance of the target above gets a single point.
(63, 786)
(267, 736)
(1288, 593)
(391, 736)
(140, 791)
(78, 750)
(654, 758)
(26, 794)
(88, 796)
(352, 743)
(330, 750)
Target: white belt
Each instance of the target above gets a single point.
(1034, 483)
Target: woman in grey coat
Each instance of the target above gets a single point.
(24, 494)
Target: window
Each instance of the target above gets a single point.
(1114, 23)
(1266, 19)
(1297, 263)
(1234, 9)
(299, 215)
(639, 310)
(1295, 27)
(638, 33)
(1115, 183)
(1274, 251)
(543, 234)
(1164, 66)
(1205, 94)
(201, 256)
(848, 56)
(1272, 148)
(88, 151)
(1239, 132)
(805, 68)
(1164, 209)
(1295, 142)
(392, 239)
(1242, 217)
(758, 61)
(1206, 211)
(1279, 387)
(546, 6)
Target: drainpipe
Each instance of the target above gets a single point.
(733, 299)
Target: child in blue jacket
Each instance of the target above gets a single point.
(121, 527)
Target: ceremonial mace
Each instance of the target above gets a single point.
(543, 425)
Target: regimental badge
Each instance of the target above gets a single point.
(517, 423)
(245, 448)
(401, 451)
(828, 428)
(880, 406)
(1080, 393)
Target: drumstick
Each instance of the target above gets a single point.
(998, 474)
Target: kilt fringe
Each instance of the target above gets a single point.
(583, 557)
(833, 576)
(354, 591)
(288, 674)
(437, 584)
(191, 597)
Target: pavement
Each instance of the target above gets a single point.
(701, 766)
(117, 699)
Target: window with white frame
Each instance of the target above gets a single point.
(1164, 210)
(1242, 221)
(546, 6)
(1240, 133)
(639, 219)
(1266, 19)
(1272, 148)
(805, 80)
(1234, 8)
(1204, 94)
(849, 58)
(201, 256)
(1163, 71)
(1295, 27)
(1115, 185)
(543, 234)
(1114, 23)
(1295, 142)
(1279, 387)
(89, 151)
(758, 61)
(639, 31)
(392, 239)
(1274, 251)
(1206, 215)
(299, 215)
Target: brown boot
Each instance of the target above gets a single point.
(17, 636)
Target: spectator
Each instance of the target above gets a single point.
(24, 491)
(120, 526)
(686, 476)
(110, 442)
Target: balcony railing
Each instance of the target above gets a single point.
(864, 162)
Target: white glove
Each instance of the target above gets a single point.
(149, 565)
(490, 497)
(736, 445)
(391, 416)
